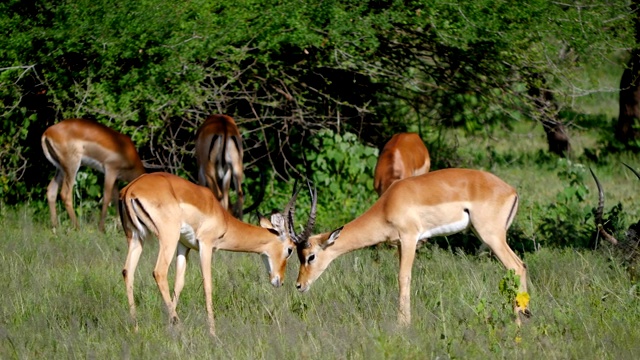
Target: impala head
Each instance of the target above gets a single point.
(314, 256)
(277, 253)
(311, 249)
(600, 207)
(281, 224)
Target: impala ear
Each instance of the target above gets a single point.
(265, 223)
(332, 238)
(275, 225)
(277, 220)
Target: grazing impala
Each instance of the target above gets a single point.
(74, 142)
(417, 208)
(403, 156)
(186, 216)
(632, 235)
(219, 157)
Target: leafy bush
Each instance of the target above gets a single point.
(342, 168)
(565, 222)
(154, 70)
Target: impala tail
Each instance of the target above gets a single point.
(50, 152)
(135, 219)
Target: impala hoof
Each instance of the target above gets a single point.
(525, 313)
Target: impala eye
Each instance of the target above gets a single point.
(289, 252)
(311, 258)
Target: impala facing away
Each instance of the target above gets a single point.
(219, 156)
(403, 156)
(438, 203)
(74, 142)
(186, 216)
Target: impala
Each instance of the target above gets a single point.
(186, 216)
(75, 142)
(438, 203)
(219, 157)
(403, 156)
(632, 234)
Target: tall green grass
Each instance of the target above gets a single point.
(63, 294)
(63, 297)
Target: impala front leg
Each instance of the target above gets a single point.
(407, 253)
(110, 192)
(206, 252)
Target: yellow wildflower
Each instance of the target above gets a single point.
(518, 339)
(522, 300)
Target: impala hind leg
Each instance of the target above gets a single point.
(52, 196)
(70, 170)
(407, 254)
(165, 254)
(238, 177)
(496, 239)
(225, 185)
(128, 273)
(181, 269)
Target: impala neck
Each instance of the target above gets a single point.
(245, 237)
(368, 229)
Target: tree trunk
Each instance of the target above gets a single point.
(557, 137)
(627, 130)
(547, 107)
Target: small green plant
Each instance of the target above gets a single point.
(510, 291)
(566, 221)
(87, 192)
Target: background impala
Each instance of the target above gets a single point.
(219, 156)
(438, 203)
(75, 142)
(183, 217)
(403, 156)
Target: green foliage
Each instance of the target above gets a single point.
(343, 170)
(566, 221)
(154, 70)
(497, 314)
(509, 287)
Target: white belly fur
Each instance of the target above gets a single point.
(188, 237)
(92, 163)
(447, 229)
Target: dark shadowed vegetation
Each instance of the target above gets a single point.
(529, 91)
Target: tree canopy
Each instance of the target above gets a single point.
(287, 71)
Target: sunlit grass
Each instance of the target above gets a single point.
(63, 294)
(63, 297)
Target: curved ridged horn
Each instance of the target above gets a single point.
(311, 222)
(289, 212)
(599, 211)
(633, 170)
